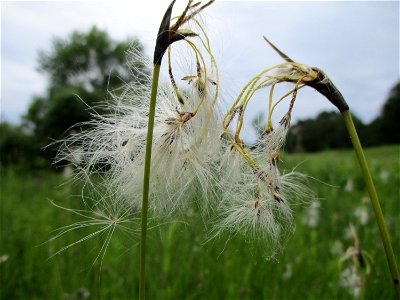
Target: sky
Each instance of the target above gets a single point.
(356, 43)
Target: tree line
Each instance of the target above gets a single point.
(327, 130)
(85, 66)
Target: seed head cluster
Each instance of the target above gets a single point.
(198, 156)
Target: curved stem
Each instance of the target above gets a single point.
(146, 181)
(374, 200)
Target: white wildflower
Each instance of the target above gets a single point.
(3, 258)
(336, 247)
(311, 216)
(349, 187)
(347, 235)
(361, 213)
(350, 280)
(288, 272)
(384, 175)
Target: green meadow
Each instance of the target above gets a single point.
(180, 263)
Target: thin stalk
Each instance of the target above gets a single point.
(146, 181)
(374, 199)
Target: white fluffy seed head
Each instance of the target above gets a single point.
(191, 164)
(256, 198)
(184, 152)
(250, 207)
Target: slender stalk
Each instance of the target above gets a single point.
(374, 199)
(146, 181)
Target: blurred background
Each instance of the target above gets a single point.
(60, 58)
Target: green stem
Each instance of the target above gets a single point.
(374, 199)
(146, 181)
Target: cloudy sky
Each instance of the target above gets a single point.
(356, 43)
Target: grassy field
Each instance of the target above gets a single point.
(180, 265)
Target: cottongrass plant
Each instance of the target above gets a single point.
(317, 79)
(167, 35)
(355, 265)
(256, 196)
(183, 149)
(178, 131)
(184, 134)
(177, 145)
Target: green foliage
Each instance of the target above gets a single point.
(386, 129)
(17, 147)
(91, 60)
(180, 265)
(326, 131)
(82, 69)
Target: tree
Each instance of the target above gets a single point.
(16, 147)
(90, 60)
(326, 131)
(385, 129)
(82, 69)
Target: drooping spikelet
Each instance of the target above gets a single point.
(256, 196)
(257, 199)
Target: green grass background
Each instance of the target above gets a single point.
(180, 266)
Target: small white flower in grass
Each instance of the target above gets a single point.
(288, 272)
(311, 215)
(336, 248)
(351, 281)
(347, 234)
(349, 187)
(361, 213)
(384, 175)
(3, 258)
